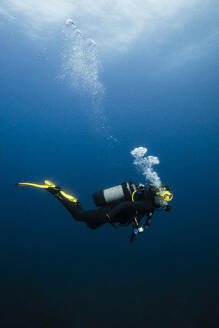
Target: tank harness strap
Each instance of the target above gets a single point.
(133, 199)
(133, 194)
(126, 190)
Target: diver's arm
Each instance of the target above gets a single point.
(148, 220)
(147, 223)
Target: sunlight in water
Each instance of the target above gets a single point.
(80, 62)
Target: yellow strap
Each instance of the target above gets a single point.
(21, 184)
(136, 221)
(135, 218)
(133, 194)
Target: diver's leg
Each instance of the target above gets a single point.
(92, 218)
(69, 201)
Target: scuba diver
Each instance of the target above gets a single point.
(119, 205)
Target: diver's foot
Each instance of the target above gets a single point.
(53, 189)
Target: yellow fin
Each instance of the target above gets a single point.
(21, 184)
(49, 183)
(69, 197)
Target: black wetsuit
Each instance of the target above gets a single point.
(121, 212)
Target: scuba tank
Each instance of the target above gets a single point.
(122, 192)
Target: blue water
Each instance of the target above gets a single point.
(55, 272)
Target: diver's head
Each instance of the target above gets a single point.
(163, 195)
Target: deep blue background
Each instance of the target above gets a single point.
(55, 272)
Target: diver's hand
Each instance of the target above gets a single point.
(132, 238)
